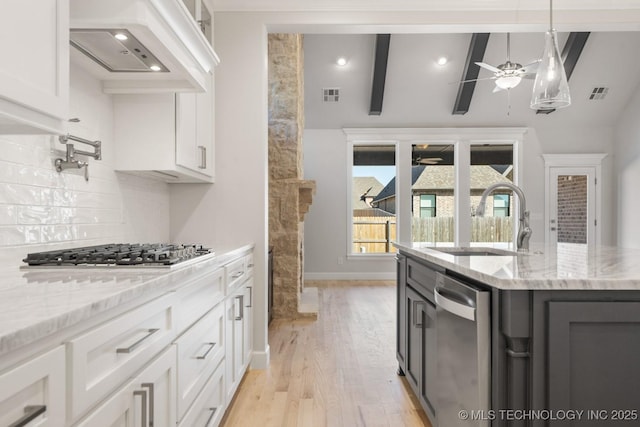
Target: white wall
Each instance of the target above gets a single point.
(41, 209)
(325, 155)
(627, 167)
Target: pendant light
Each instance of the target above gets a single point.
(550, 90)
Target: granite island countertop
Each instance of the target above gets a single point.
(561, 267)
(40, 301)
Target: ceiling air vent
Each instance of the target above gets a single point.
(331, 94)
(598, 93)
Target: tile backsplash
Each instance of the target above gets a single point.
(41, 209)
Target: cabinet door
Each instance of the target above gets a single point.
(35, 391)
(194, 130)
(116, 411)
(401, 323)
(427, 314)
(247, 325)
(414, 319)
(34, 72)
(593, 358)
(158, 384)
(231, 326)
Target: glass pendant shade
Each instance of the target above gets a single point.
(551, 89)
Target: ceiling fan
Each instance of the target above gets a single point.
(510, 74)
(419, 160)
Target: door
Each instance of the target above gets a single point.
(572, 206)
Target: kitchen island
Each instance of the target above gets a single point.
(562, 336)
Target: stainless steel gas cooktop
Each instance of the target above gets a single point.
(119, 255)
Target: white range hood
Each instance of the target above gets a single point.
(140, 46)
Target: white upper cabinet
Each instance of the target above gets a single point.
(34, 70)
(141, 46)
(166, 136)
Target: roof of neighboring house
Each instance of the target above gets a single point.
(364, 186)
(441, 178)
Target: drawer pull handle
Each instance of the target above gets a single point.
(151, 401)
(250, 296)
(211, 345)
(241, 316)
(203, 157)
(213, 412)
(250, 265)
(143, 397)
(137, 343)
(236, 275)
(31, 412)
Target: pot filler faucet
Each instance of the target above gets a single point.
(524, 231)
(71, 162)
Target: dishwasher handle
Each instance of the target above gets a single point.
(447, 303)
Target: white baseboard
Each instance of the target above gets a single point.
(350, 276)
(260, 359)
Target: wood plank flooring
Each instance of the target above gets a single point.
(338, 371)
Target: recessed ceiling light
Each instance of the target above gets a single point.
(155, 68)
(121, 36)
(442, 60)
(342, 61)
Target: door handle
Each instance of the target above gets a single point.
(133, 346)
(250, 296)
(213, 412)
(203, 157)
(211, 345)
(241, 298)
(143, 397)
(31, 412)
(151, 402)
(452, 306)
(417, 324)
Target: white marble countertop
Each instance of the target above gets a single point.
(562, 267)
(40, 301)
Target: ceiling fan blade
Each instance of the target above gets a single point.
(529, 76)
(530, 68)
(488, 67)
(497, 89)
(429, 160)
(473, 80)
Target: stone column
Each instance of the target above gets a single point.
(289, 194)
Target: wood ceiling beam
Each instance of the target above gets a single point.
(379, 73)
(477, 47)
(570, 54)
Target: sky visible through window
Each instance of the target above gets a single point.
(384, 174)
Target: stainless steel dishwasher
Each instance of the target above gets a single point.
(464, 355)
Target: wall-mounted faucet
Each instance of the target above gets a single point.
(524, 231)
(71, 162)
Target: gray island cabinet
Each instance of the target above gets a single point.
(564, 344)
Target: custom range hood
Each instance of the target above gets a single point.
(138, 46)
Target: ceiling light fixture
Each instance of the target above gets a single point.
(121, 36)
(551, 89)
(442, 60)
(508, 82)
(155, 68)
(341, 61)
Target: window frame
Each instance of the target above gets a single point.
(508, 207)
(434, 208)
(403, 138)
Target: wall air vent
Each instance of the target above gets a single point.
(331, 94)
(598, 93)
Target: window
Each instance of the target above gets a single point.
(501, 205)
(427, 205)
(373, 199)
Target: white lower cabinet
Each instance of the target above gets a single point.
(208, 408)
(200, 350)
(106, 356)
(239, 326)
(33, 393)
(146, 401)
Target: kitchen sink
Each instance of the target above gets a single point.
(475, 251)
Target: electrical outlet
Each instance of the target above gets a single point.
(340, 260)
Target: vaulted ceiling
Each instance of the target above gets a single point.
(419, 92)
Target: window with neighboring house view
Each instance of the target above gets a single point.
(491, 164)
(373, 209)
(427, 205)
(432, 193)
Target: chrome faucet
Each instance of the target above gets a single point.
(524, 231)
(71, 162)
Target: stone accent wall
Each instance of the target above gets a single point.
(289, 195)
(572, 209)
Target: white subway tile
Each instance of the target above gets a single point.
(7, 215)
(19, 235)
(38, 215)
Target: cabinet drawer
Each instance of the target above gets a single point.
(200, 350)
(35, 387)
(102, 359)
(421, 277)
(208, 408)
(195, 299)
(235, 274)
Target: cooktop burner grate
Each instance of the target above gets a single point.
(120, 254)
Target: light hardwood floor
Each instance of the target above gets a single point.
(338, 371)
